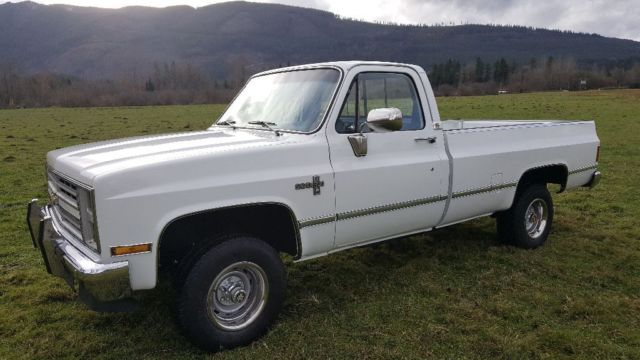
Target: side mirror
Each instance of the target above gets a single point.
(385, 119)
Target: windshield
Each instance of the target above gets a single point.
(293, 100)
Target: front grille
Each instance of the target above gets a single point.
(66, 204)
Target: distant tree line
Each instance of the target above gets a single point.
(165, 84)
(173, 83)
(539, 74)
(448, 24)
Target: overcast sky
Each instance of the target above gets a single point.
(615, 18)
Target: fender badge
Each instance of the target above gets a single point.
(314, 184)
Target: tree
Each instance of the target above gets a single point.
(9, 84)
(435, 75)
(549, 67)
(148, 86)
(480, 70)
(501, 71)
(487, 72)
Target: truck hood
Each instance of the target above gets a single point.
(85, 162)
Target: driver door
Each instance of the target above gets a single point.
(399, 186)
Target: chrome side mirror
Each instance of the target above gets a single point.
(385, 119)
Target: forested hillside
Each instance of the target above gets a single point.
(81, 56)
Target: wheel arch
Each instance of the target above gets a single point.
(546, 174)
(274, 222)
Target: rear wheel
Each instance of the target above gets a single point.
(528, 222)
(232, 294)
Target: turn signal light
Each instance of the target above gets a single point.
(130, 249)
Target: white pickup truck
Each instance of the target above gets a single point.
(307, 161)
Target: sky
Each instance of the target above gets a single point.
(614, 18)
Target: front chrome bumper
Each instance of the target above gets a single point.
(96, 283)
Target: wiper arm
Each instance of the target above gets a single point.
(267, 125)
(226, 122)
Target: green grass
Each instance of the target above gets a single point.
(454, 293)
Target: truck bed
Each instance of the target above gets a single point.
(488, 157)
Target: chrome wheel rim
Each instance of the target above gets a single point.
(237, 296)
(536, 218)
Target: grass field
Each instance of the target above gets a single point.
(454, 293)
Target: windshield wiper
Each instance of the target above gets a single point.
(267, 125)
(226, 122)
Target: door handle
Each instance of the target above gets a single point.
(430, 139)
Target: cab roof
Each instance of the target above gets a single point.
(344, 65)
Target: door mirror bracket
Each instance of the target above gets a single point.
(358, 144)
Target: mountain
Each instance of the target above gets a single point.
(107, 43)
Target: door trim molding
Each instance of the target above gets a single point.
(351, 214)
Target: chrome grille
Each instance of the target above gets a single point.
(66, 204)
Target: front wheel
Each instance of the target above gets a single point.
(528, 222)
(232, 294)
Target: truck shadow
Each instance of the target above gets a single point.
(431, 263)
(343, 278)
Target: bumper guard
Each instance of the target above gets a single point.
(103, 287)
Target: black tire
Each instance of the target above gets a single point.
(205, 309)
(512, 225)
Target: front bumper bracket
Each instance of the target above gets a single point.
(103, 287)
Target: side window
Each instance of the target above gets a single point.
(380, 90)
(346, 120)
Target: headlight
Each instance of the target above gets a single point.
(88, 217)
